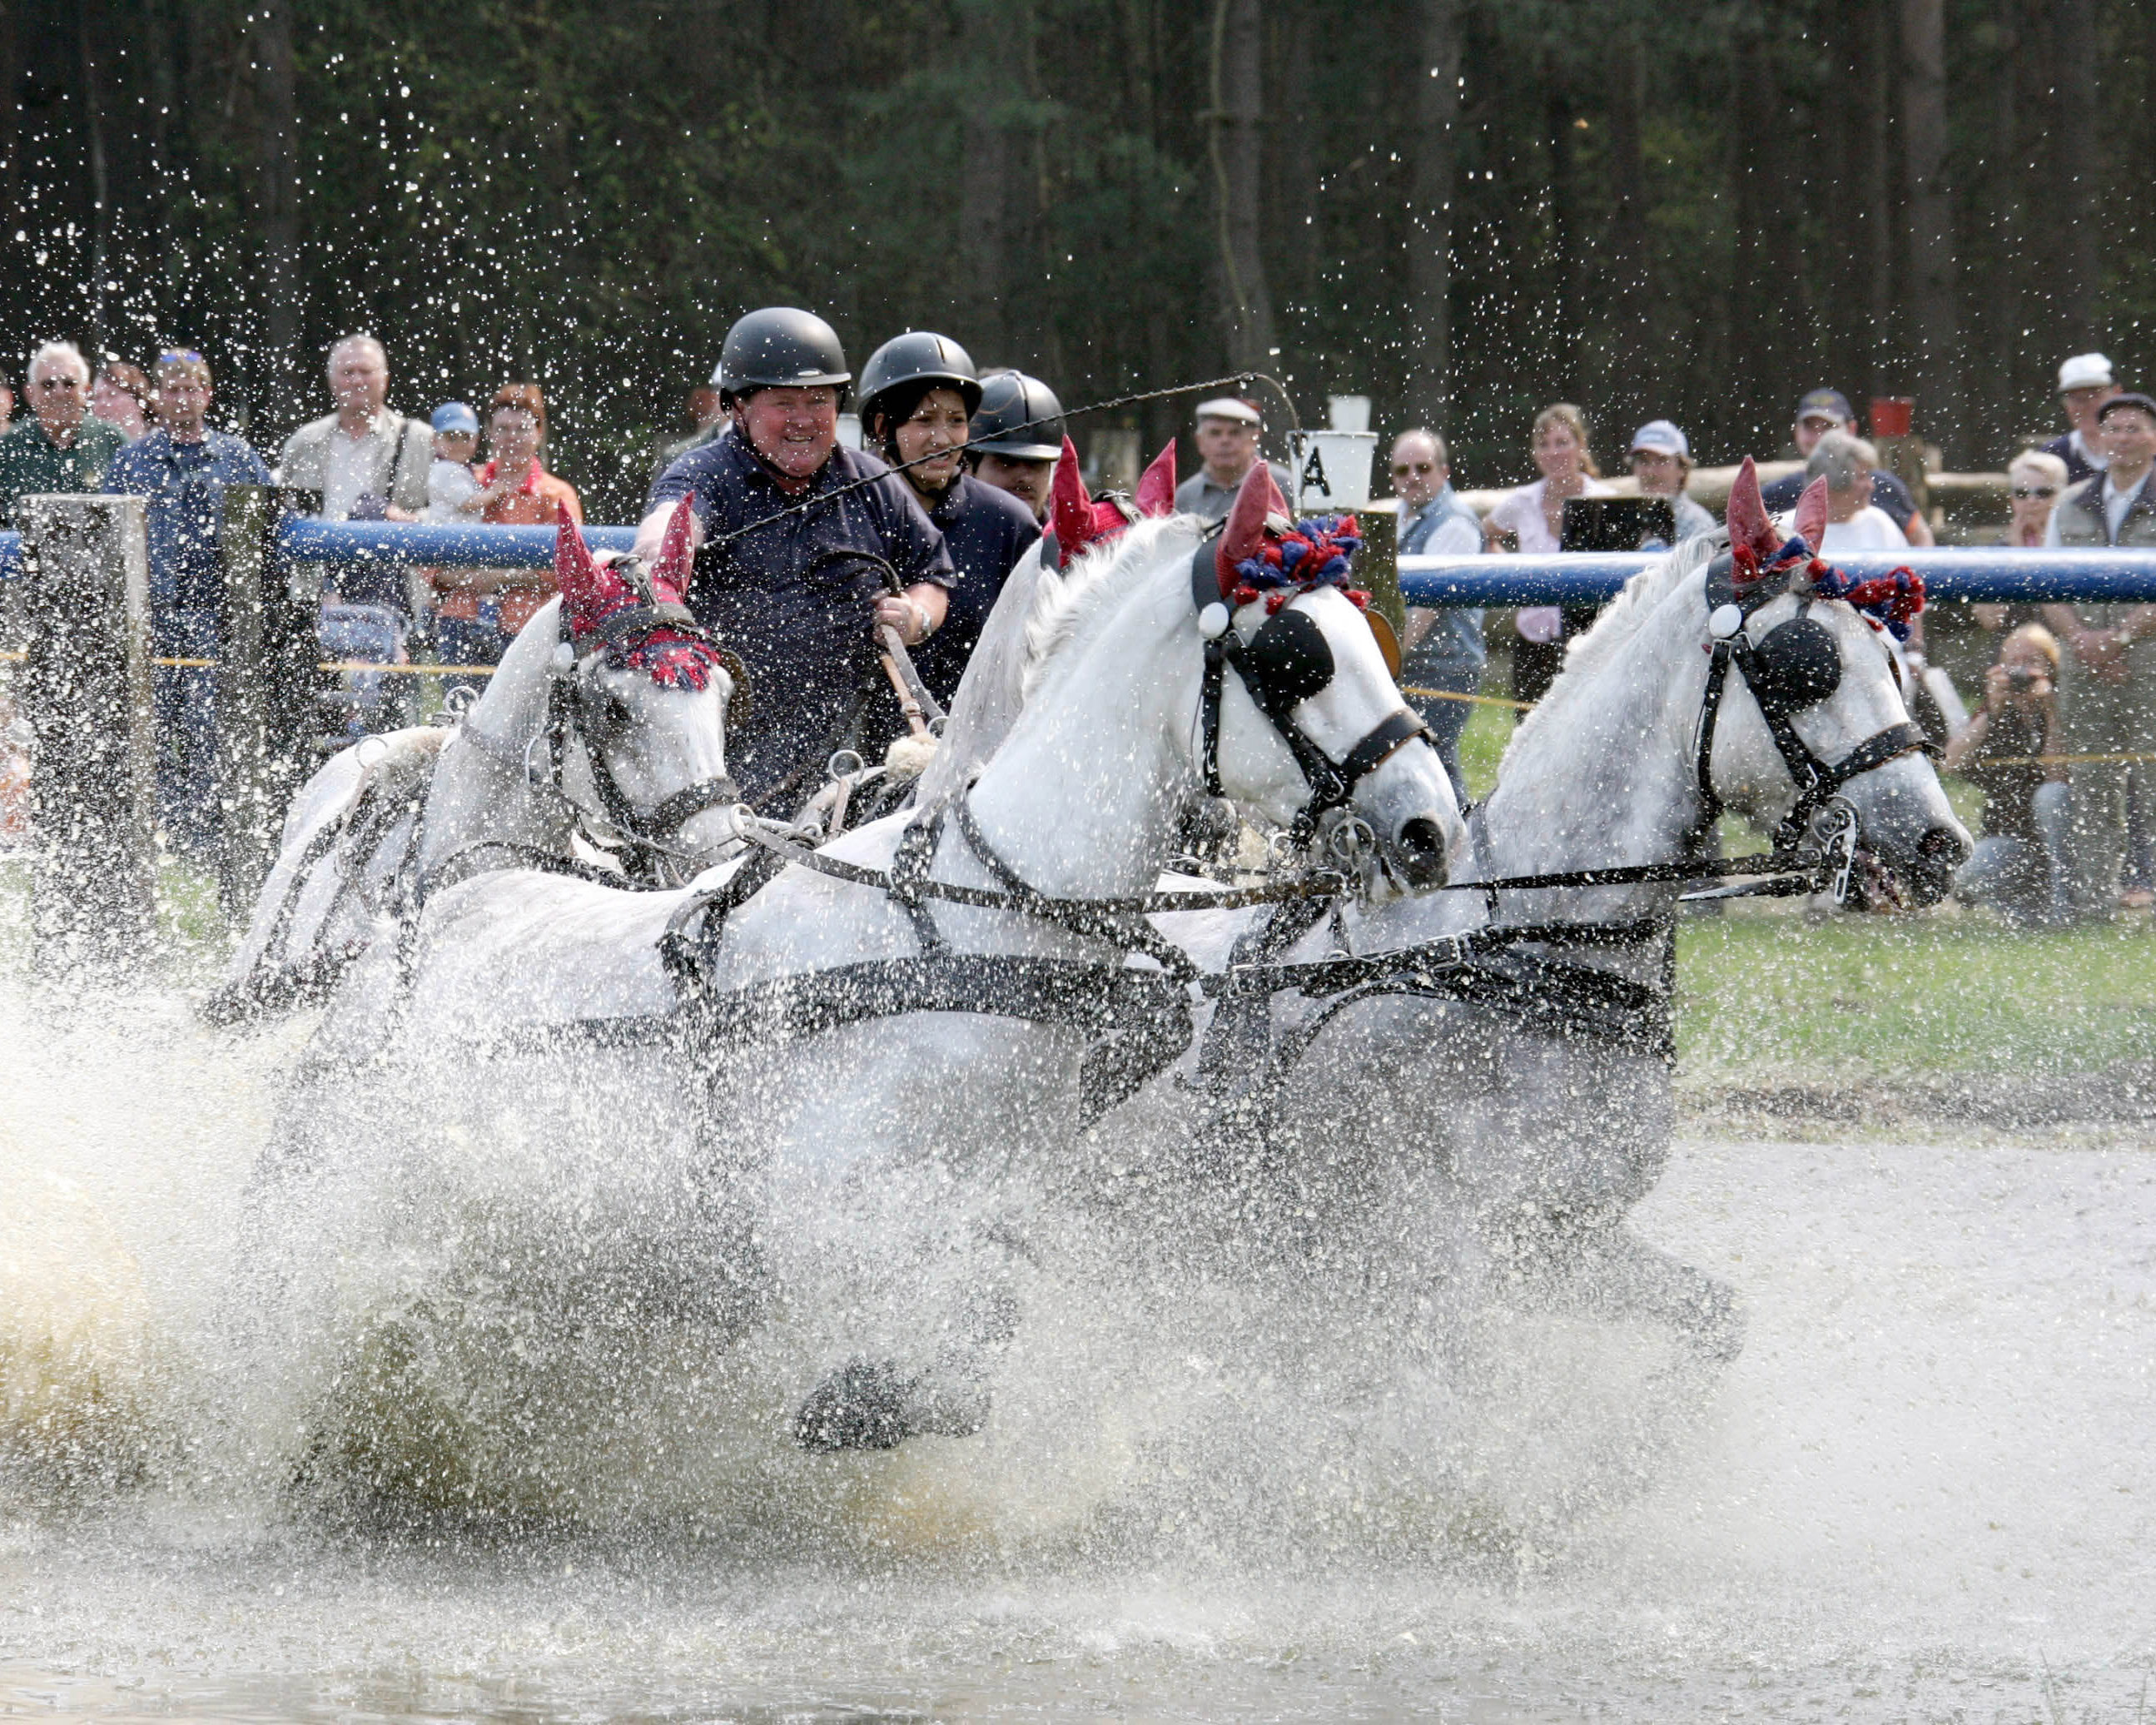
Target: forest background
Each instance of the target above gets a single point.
(1464, 209)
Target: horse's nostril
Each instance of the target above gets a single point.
(1421, 835)
(1943, 848)
(1421, 843)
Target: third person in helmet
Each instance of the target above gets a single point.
(1015, 437)
(918, 391)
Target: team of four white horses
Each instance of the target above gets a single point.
(599, 1044)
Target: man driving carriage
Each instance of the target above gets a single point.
(800, 544)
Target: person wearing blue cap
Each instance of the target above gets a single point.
(452, 489)
(1661, 462)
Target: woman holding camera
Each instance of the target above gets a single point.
(2019, 864)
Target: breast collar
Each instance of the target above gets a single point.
(1729, 620)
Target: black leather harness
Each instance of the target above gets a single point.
(1284, 664)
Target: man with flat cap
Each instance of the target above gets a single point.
(2107, 672)
(1228, 432)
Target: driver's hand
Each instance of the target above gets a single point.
(895, 611)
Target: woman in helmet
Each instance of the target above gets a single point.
(792, 535)
(918, 393)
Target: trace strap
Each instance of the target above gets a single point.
(1106, 918)
(1421, 962)
(1807, 863)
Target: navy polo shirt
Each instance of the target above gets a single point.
(988, 531)
(801, 629)
(1887, 492)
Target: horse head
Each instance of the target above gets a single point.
(1312, 663)
(652, 695)
(1817, 654)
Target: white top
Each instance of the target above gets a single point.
(347, 474)
(1871, 529)
(1520, 513)
(2116, 503)
(449, 483)
(2097, 459)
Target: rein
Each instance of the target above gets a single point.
(1103, 918)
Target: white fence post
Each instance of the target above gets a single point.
(82, 609)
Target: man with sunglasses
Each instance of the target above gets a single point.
(59, 447)
(1444, 649)
(182, 467)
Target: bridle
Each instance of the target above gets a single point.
(1794, 667)
(1283, 664)
(645, 838)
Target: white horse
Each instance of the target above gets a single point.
(599, 742)
(1537, 1109)
(888, 1132)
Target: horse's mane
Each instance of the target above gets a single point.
(1062, 604)
(1620, 620)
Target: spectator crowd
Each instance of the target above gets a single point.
(2056, 740)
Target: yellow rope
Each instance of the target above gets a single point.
(1969, 767)
(1479, 700)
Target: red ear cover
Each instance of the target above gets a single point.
(1245, 532)
(1751, 531)
(670, 574)
(1809, 522)
(1070, 510)
(590, 594)
(1156, 487)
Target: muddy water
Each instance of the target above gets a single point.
(1925, 1490)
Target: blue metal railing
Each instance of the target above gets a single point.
(1982, 573)
(305, 540)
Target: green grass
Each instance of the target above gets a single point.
(1861, 996)
(1776, 993)
(1482, 744)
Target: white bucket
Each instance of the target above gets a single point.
(1348, 413)
(1331, 470)
(849, 431)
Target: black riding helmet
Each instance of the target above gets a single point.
(1009, 400)
(781, 347)
(907, 367)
